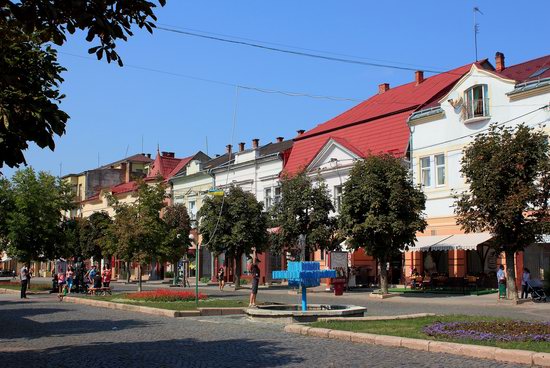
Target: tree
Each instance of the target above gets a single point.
(303, 216)
(30, 78)
(234, 225)
(508, 174)
(34, 224)
(178, 227)
(381, 209)
(6, 207)
(137, 230)
(93, 236)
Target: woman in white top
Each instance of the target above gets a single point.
(524, 279)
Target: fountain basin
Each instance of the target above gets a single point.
(291, 313)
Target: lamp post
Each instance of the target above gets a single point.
(197, 255)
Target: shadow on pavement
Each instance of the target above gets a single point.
(164, 353)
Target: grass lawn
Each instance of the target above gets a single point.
(443, 291)
(413, 328)
(17, 286)
(179, 305)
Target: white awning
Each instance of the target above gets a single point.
(450, 242)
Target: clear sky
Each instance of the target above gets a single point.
(114, 109)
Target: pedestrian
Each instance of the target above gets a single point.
(221, 278)
(255, 272)
(55, 284)
(70, 279)
(97, 281)
(24, 276)
(106, 276)
(90, 275)
(526, 277)
(501, 278)
(61, 282)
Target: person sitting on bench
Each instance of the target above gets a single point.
(97, 281)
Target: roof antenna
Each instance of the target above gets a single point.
(206, 139)
(476, 27)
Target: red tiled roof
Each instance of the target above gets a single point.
(522, 72)
(167, 166)
(124, 187)
(376, 125)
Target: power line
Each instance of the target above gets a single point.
(291, 46)
(298, 53)
(224, 83)
(482, 130)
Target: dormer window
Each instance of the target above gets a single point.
(476, 102)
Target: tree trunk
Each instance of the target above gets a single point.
(511, 275)
(238, 271)
(383, 276)
(139, 278)
(128, 275)
(175, 272)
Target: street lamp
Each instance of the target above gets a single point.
(197, 254)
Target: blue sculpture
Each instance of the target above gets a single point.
(304, 275)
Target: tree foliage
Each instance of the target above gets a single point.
(6, 207)
(137, 230)
(381, 209)
(34, 223)
(508, 174)
(304, 210)
(234, 225)
(30, 77)
(94, 236)
(178, 227)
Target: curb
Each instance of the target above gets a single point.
(476, 351)
(155, 311)
(377, 318)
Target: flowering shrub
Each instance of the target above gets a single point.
(491, 330)
(165, 296)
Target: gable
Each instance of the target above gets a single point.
(333, 151)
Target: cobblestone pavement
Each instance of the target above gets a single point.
(43, 332)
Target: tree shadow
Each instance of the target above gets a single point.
(163, 353)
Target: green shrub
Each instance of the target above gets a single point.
(244, 281)
(205, 280)
(168, 274)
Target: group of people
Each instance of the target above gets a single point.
(254, 272)
(525, 279)
(64, 282)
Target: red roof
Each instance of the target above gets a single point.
(124, 187)
(522, 72)
(167, 166)
(376, 125)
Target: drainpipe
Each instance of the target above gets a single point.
(411, 162)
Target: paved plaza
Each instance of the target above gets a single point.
(43, 332)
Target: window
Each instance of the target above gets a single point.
(425, 171)
(440, 169)
(268, 200)
(277, 197)
(477, 102)
(192, 210)
(337, 198)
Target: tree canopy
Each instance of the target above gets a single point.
(178, 228)
(303, 211)
(94, 236)
(30, 78)
(508, 173)
(34, 225)
(234, 225)
(381, 209)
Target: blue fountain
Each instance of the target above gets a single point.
(304, 275)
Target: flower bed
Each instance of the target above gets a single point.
(491, 330)
(165, 296)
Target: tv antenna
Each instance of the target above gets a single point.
(476, 27)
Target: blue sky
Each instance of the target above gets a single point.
(112, 108)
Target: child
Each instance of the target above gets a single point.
(62, 285)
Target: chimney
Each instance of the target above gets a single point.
(241, 146)
(168, 154)
(148, 155)
(499, 61)
(300, 132)
(419, 77)
(255, 143)
(383, 88)
(228, 148)
(280, 139)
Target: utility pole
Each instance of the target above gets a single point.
(476, 28)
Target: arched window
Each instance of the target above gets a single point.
(476, 102)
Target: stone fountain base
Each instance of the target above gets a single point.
(291, 313)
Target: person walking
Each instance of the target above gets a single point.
(501, 278)
(106, 276)
(221, 278)
(24, 276)
(70, 279)
(255, 272)
(526, 277)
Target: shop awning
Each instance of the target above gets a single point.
(450, 242)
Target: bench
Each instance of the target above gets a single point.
(99, 291)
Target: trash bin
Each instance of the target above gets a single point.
(338, 286)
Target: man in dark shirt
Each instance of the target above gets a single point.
(255, 272)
